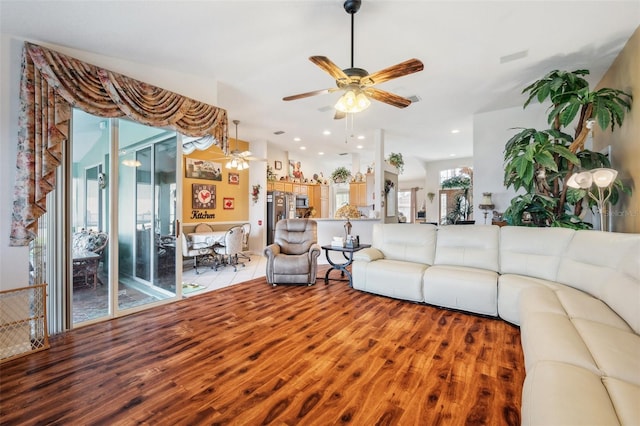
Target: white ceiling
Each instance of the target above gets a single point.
(257, 52)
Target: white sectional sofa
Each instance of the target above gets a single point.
(574, 294)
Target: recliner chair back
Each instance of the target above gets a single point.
(295, 236)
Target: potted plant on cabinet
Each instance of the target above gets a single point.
(396, 160)
(340, 175)
(541, 162)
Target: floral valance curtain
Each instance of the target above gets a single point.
(51, 84)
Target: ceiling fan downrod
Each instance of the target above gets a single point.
(351, 7)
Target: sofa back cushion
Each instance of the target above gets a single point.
(471, 246)
(607, 266)
(534, 252)
(405, 241)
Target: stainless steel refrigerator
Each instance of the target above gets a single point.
(280, 205)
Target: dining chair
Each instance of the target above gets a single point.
(194, 253)
(232, 248)
(246, 232)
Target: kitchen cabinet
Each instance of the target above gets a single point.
(358, 194)
(319, 199)
(280, 185)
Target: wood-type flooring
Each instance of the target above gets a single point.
(252, 354)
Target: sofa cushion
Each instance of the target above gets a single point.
(534, 252)
(606, 265)
(625, 397)
(553, 337)
(615, 351)
(393, 278)
(407, 242)
(460, 287)
(509, 288)
(555, 393)
(470, 246)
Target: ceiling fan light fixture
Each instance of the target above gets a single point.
(353, 100)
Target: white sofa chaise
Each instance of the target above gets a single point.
(574, 294)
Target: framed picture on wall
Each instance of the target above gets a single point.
(228, 203)
(234, 178)
(201, 169)
(277, 165)
(204, 196)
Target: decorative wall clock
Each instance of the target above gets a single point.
(204, 196)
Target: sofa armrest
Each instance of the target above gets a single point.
(368, 254)
(271, 251)
(314, 251)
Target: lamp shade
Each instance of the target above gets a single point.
(581, 180)
(487, 202)
(603, 178)
(353, 100)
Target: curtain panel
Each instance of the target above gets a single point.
(51, 85)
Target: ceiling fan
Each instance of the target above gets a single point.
(357, 83)
(238, 159)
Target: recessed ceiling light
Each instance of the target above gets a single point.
(326, 132)
(452, 155)
(361, 137)
(359, 146)
(303, 148)
(454, 131)
(297, 139)
(321, 153)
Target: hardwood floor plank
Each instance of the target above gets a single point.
(256, 354)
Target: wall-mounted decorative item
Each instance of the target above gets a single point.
(201, 169)
(234, 178)
(295, 168)
(277, 165)
(431, 195)
(228, 203)
(204, 196)
(255, 193)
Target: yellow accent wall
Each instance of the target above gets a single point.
(223, 189)
(625, 141)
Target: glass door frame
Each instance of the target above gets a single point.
(111, 205)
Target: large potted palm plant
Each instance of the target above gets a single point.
(542, 161)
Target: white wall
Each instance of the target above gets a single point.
(491, 131)
(14, 260)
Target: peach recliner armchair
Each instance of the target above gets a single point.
(293, 257)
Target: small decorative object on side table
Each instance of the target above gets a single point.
(347, 252)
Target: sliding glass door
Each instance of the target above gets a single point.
(146, 214)
(124, 207)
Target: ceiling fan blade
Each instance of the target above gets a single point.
(326, 64)
(339, 115)
(309, 94)
(387, 97)
(404, 68)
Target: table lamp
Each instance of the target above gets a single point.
(486, 204)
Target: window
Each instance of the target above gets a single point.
(404, 204)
